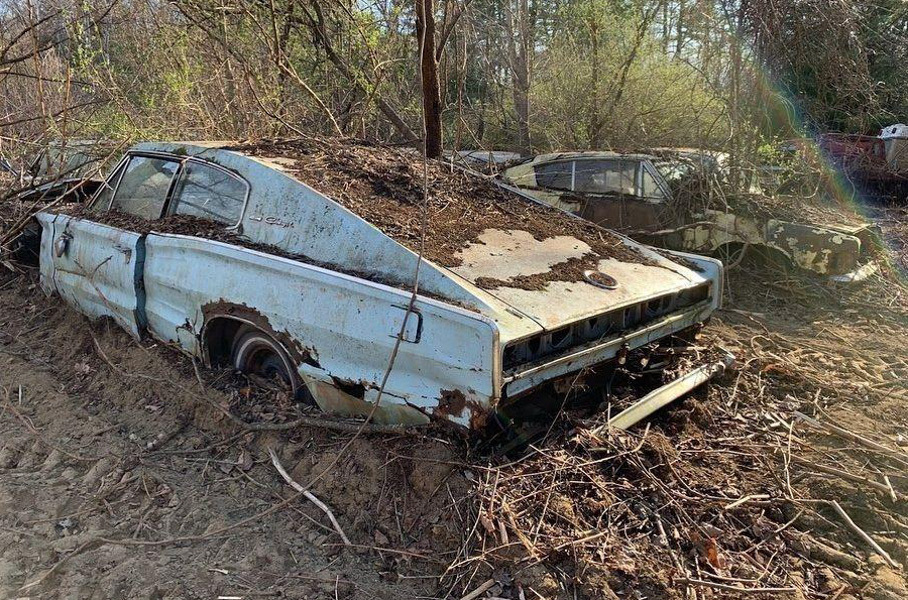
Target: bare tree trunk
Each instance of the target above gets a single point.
(519, 49)
(431, 88)
(595, 110)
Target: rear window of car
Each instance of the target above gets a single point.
(210, 193)
(605, 176)
(144, 185)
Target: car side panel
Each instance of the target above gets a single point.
(340, 330)
(45, 254)
(813, 248)
(98, 269)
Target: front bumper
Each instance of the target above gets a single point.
(858, 275)
(667, 394)
(525, 378)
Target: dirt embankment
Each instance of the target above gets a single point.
(121, 465)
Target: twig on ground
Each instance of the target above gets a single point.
(880, 487)
(482, 589)
(841, 431)
(747, 499)
(309, 495)
(854, 527)
(100, 541)
(743, 590)
(31, 429)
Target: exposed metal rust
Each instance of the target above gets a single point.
(224, 309)
(356, 389)
(453, 403)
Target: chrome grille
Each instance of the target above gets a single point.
(559, 341)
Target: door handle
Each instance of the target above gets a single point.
(62, 245)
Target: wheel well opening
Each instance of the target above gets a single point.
(218, 339)
(760, 255)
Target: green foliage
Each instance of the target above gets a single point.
(601, 84)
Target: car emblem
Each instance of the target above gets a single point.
(600, 279)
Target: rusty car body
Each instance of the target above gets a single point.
(329, 324)
(637, 193)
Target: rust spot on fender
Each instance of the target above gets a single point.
(453, 403)
(356, 389)
(222, 308)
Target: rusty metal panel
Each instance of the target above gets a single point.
(97, 269)
(339, 329)
(45, 254)
(818, 249)
(815, 248)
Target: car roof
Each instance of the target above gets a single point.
(589, 155)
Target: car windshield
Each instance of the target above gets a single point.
(673, 171)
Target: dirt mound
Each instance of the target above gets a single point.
(731, 489)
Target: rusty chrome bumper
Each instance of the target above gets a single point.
(667, 394)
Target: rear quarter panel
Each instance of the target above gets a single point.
(338, 328)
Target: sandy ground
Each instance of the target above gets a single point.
(75, 468)
(120, 479)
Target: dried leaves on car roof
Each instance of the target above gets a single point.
(384, 185)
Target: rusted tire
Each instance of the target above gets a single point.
(257, 354)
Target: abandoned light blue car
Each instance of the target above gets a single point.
(318, 290)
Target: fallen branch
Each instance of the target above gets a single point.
(743, 590)
(841, 431)
(887, 490)
(854, 527)
(483, 588)
(309, 495)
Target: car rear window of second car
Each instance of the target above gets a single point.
(210, 193)
(605, 177)
(555, 175)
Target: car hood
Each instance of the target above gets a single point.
(539, 278)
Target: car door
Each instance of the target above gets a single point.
(174, 277)
(98, 268)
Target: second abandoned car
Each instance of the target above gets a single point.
(669, 198)
(314, 286)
